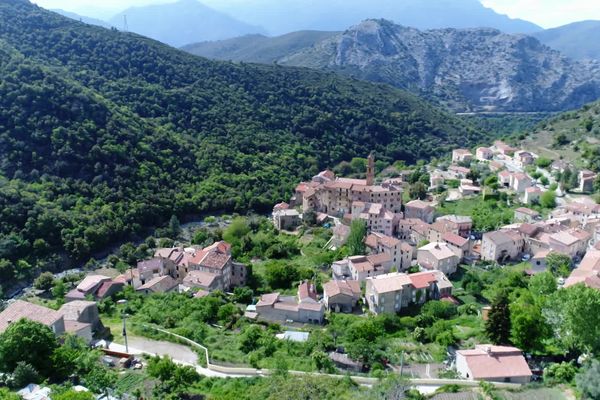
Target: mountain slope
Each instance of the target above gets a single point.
(183, 22)
(578, 40)
(104, 133)
(82, 18)
(258, 48)
(467, 69)
(283, 16)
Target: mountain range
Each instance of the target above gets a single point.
(283, 16)
(579, 40)
(478, 69)
(181, 23)
(105, 133)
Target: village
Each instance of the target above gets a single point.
(412, 253)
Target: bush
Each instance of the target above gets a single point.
(44, 282)
(560, 373)
(25, 374)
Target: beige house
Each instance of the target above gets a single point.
(519, 182)
(359, 268)
(458, 244)
(303, 308)
(532, 195)
(401, 253)
(461, 155)
(572, 242)
(586, 181)
(286, 219)
(341, 296)
(334, 195)
(458, 224)
(391, 293)
(500, 147)
(160, 284)
(501, 245)
(484, 154)
(523, 214)
(376, 216)
(524, 158)
(494, 364)
(418, 209)
(439, 256)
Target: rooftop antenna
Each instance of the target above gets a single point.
(125, 25)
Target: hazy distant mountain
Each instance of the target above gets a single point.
(466, 69)
(284, 16)
(258, 48)
(579, 40)
(82, 18)
(183, 22)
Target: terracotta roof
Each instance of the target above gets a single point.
(268, 299)
(106, 286)
(454, 239)
(390, 282)
(422, 280)
(375, 239)
(349, 288)
(501, 237)
(310, 306)
(20, 309)
(378, 259)
(493, 362)
(529, 229)
(306, 290)
(151, 265)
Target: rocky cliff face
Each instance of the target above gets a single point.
(468, 69)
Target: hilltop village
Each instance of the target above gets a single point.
(398, 243)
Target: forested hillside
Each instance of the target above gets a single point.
(104, 133)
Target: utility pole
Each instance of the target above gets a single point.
(124, 316)
(125, 24)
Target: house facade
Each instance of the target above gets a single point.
(494, 364)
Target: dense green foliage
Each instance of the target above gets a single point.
(104, 133)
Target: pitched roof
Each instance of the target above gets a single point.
(348, 288)
(106, 286)
(454, 239)
(200, 278)
(493, 362)
(376, 239)
(419, 204)
(527, 211)
(71, 311)
(20, 309)
(306, 291)
(422, 280)
(268, 299)
(90, 282)
(160, 284)
(440, 251)
(390, 282)
(501, 237)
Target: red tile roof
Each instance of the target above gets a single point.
(24, 310)
(494, 362)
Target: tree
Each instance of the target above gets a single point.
(560, 373)
(279, 275)
(542, 285)
(72, 395)
(356, 239)
(249, 339)
(25, 374)
(588, 381)
(59, 290)
(559, 264)
(548, 199)
(28, 342)
(417, 191)
(6, 395)
(236, 230)
(497, 326)
(574, 314)
(242, 295)
(174, 226)
(44, 281)
(322, 362)
(528, 328)
(100, 380)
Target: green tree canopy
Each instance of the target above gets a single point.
(28, 342)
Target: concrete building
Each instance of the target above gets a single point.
(494, 364)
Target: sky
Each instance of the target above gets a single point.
(546, 13)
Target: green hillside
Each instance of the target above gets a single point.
(573, 136)
(104, 133)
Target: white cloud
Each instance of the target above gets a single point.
(547, 13)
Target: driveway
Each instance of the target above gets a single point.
(175, 351)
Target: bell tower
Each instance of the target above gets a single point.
(371, 170)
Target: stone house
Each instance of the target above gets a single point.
(159, 284)
(376, 216)
(391, 293)
(461, 156)
(401, 253)
(341, 296)
(572, 242)
(359, 268)
(439, 256)
(501, 246)
(586, 181)
(523, 214)
(286, 219)
(484, 154)
(418, 209)
(303, 308)
(532, 195)
(519, 182)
